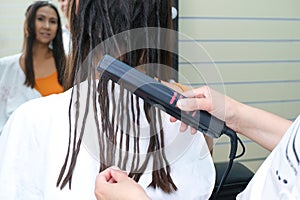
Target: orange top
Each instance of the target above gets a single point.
(48, 85)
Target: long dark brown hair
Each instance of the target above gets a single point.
(91, 23)
(30, 37)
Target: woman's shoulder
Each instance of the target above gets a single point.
(10, 58)
(9, 61)
(45, 106)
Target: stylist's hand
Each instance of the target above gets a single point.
(114, 184)
(205, 98)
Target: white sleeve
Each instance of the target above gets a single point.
(19, 151)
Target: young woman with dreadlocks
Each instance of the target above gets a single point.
(96, 124)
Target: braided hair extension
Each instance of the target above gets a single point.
(117, 113)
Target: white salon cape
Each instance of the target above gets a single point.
(279, 175)
(34, 143)
(13, 92)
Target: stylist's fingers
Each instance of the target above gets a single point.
(104, 189)
(102, 180)
(201, 92)
(191, 104)
(197, 99)
(183, 127)
(104, 176)
(118, 175)
(173, 119)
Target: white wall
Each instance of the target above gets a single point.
(255, 48)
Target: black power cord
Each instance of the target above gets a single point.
(234, 139)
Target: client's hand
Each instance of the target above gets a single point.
(114, 184)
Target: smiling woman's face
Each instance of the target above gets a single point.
(46, 24)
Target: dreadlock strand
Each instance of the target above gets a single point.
(114, 128)
(109, 29)
(121, 123)
(62, 171)
(107, 130)
(78, 144)
(67, 177)
(102, 99)
(96, 118)
(157, 179)
(127, 133)
(138, 133)
(134, 129)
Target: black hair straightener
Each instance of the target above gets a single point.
(161, 96)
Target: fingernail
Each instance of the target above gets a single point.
(179, 104)
(182, 129)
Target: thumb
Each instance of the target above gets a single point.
(118, 175)
(191, 104)
(198, 92)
